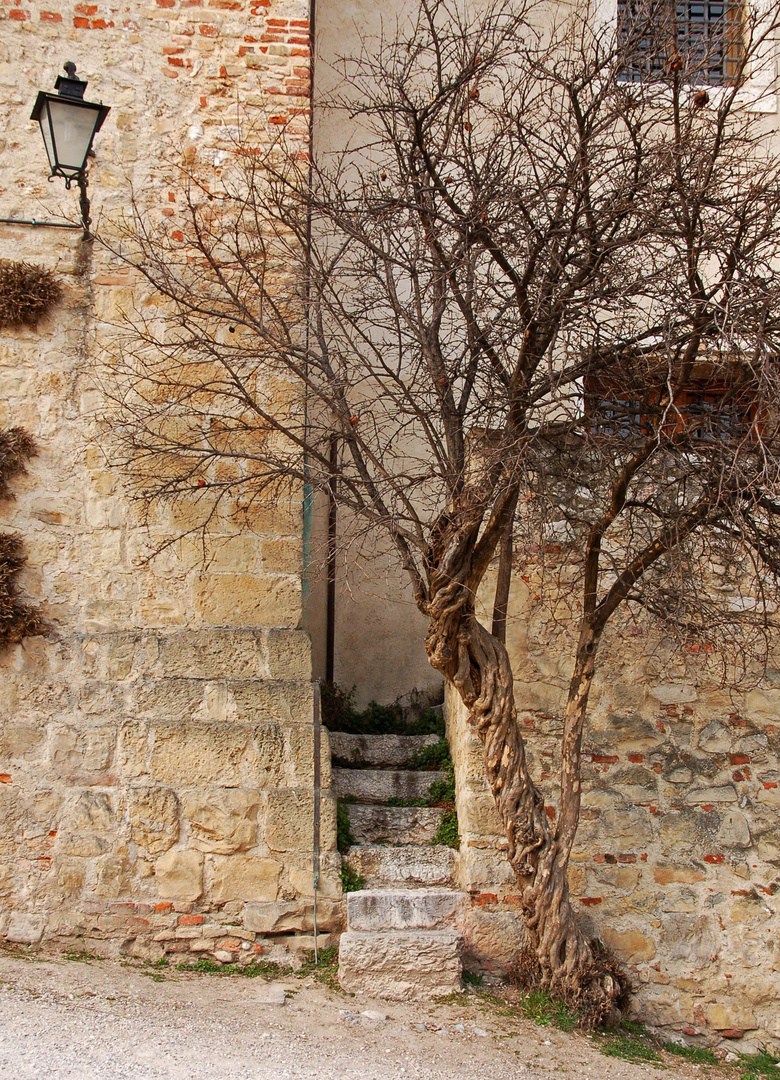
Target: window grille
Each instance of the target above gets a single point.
(705, 35)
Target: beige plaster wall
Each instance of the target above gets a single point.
(156, 747)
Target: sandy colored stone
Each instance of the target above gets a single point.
(674, 875)
(179, 875)
(290, 821)
(222, 820)
(729, 1014)
(400, 966)
(244, 877)
(198, 752)
(154, 818)
(25, 928)
(734, 830)
(632, 946)
(248, 600)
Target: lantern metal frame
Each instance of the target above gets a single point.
(69, 89)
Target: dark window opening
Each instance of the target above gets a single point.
(700, 38)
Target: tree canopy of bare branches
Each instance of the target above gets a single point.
(531, 294)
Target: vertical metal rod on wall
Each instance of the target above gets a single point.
(330, 623)
(316, 838)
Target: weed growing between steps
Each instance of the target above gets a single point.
(325, 970)
(344, 835)
(447, 833)
(340, 714)
(351, 880)
(436, 756)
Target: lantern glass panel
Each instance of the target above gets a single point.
(70, 129)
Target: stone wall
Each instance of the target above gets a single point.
(677, 859)
(156, 748)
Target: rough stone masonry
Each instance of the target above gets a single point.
(156, 748)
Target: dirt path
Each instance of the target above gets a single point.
(104, 1021)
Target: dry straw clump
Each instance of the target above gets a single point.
(27, 292)
(18, 618)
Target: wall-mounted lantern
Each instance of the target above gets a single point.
(68, 125)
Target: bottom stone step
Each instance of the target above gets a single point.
(400, 965)
(427, 864)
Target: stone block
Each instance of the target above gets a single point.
(179, 875)
(723, 793)
(293, 916)
(734, 830)
(213, 654)
(491, 938)
(379, 785)
(244, 877)
(688, 937)
(414, 964)
(373, 824)
(631, 945)
(132, 749)
(221, 820)
(154, 818)
(380, 750)
(289, 824)
(430, 865)
(248, 600)
(724, 1014)
(199, 752)
(403, 909)
(25, 928)
(289, 654)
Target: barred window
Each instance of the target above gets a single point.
(701, 37)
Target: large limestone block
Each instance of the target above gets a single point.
(289, 822)
(372, 824)
(179, 875)
(379, 785)
(222, 820)
(214, 654)
(400, 965)
(384, 750)
(492, 938)
(24, 928)
(403, 909)
(154, 818)
(244, 877)
(384, 865)
(631, 945)
(729, 1014)
(288, 702)
(293, 916)
(249, 600)
(289, 654)
(198, 752)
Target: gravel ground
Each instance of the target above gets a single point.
(105, 1021)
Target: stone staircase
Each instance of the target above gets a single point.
(402, 939)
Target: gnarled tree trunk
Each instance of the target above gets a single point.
(557, 953)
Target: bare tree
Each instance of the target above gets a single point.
(536, 301)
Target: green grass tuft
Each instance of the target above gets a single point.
(351, 880)
(471, 979)
(340, 714)
(761, 1066)
(544, 1010)
(628, 1048)
(344, 836)
(325, 970)
(264, 969)
(435, 756)
(447, 830)
(697, 1055)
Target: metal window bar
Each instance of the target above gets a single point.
(705, 34)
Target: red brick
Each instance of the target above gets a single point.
(732, 1033)
(175, 61)
(276, 22)
(81, 23)
(101, 24)
(306, 52)
(604, 759)
(626, 858)
(86, 9)
(51, 16)
(163, 907)
(714, 859)
(166, 3)
(768, 784)
(297, 40)
(5, 778)
(171, 50)
(225, 5)
(590, 901)
(739, 759)
(207, 30)
(19, 15)
(190, 920)
(177, 235)
(485, 898)
(300, 22)
(636, 758)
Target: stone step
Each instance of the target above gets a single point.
(400, 965)
(372, 823)
(371, 910)
(384, 750)
(379, 785)
(407, 865)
